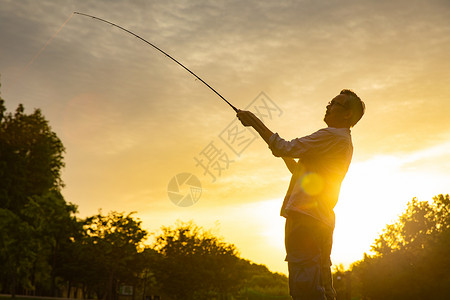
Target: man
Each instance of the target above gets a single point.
(323, 160)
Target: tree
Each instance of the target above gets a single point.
(17, 253)
(109, 252)
(54, 227)
(411, 256)
(195, 264)
(260, 283)
(147, 284)
(31, 159)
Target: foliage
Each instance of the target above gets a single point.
(342, 282)
(411, 256)
(109, 252)
(33, 213)
(16, 251)
(260, 283)
(32, 240)
(195, 264)
(31, 157)
(53, 225)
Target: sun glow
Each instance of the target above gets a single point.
(375, 192)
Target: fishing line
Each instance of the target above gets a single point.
(39, 52)
(160, 50)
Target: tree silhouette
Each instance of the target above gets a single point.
(53, 224)
(109, 252)
(411, 256)
(31, 159)
(195, 264)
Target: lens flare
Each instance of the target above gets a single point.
(312, 184)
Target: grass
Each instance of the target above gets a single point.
(20, 297)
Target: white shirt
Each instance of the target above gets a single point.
(324, 158)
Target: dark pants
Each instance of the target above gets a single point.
(308, 247)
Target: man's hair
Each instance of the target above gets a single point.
(354, 103)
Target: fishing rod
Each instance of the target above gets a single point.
(166, 54)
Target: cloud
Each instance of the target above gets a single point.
(298, 51)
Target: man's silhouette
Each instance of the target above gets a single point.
(323, 160)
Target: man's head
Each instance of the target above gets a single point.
(345, 110)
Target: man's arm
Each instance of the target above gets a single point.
(247, 118)
(291, 164)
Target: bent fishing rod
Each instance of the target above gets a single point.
(165, 53)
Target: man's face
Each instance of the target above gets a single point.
(337, 112)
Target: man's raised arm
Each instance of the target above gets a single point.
(247, 119)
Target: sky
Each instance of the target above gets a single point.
(135, 124)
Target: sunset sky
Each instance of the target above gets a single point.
(131, 119)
